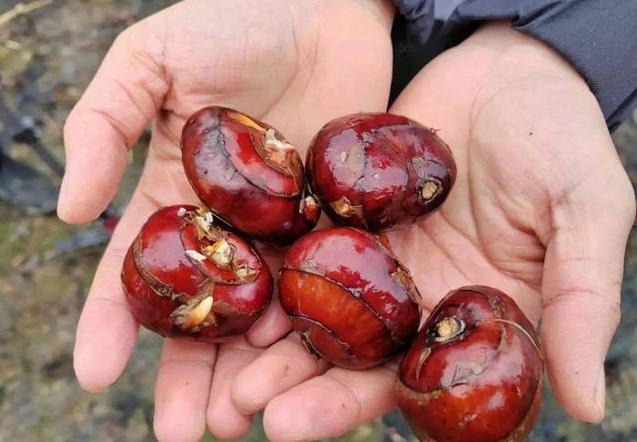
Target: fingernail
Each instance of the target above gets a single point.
(64, 206)
(600, 393)
(63, 191)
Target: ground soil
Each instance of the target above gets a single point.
(47, 58)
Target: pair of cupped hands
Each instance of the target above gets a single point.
(541, 208)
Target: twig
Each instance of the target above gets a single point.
(22, 9)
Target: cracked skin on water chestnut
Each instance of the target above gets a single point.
(378, 170)
(247, 173)
(474, 372)
(349, 298)
(187, 277)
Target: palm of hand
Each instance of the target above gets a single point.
(276, 61)
(490, 230)
(532, 152)
(520, 218)
(538, 174)
(276, 65)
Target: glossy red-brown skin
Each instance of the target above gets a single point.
(378, 162)
(348, 296)
(158, 277)
(483, 385)
(223, 157)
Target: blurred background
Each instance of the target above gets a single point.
(49, 51)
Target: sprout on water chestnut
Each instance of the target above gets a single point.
(186, 276)
(377, 170)
(247, 173)
(474, 372)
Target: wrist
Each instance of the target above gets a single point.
(381, 10)
(516, 55)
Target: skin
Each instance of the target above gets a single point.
(541, 208)
(273, 60)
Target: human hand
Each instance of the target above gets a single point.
(281, 61)
(541, 209)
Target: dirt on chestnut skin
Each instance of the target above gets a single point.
(378, 170)
(474, 372)
(248, 175)
(186, 277)
(348, 296)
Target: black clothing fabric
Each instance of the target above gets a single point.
(598, 38)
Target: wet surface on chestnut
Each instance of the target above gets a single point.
(348, 296)
(186, 277)
(38, 385)
(374, 170)
(248, 175)
(474, 372)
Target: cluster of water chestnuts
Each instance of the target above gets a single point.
(474, 369)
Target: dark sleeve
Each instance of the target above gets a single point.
(598, 38)
(418, 16)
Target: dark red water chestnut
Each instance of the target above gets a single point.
(348, 297)
(185, 276)
(375, 170)
(474, 372)
(248, 175)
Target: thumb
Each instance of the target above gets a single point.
(581, 290)
(123, 97)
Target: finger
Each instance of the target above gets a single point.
(270, 327)
(581, 292)
(123, 97)
(330, 405)
(225, 420)
(106, 329)
(181, 390)
(273, 323)
(282, 366)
